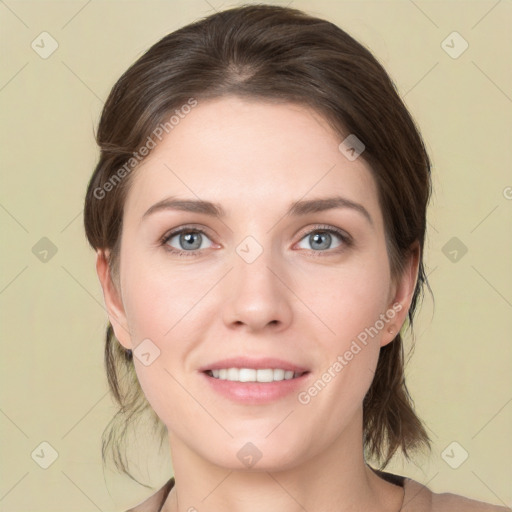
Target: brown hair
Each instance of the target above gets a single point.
(274, 54)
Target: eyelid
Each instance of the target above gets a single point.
(327, 227)
(186, 227)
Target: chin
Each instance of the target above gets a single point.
(259, 454)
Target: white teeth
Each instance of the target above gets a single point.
(252, 375)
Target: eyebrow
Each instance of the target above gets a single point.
(297, 208)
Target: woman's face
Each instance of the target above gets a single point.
(310, 288)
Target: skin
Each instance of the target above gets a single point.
(296, 302)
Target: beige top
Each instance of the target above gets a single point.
(417, 498)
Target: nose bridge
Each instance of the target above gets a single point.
(253, 262)
(257, 296)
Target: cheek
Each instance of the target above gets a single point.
(349, 359)
(162, 305)
(352, 300)
(355, 309)
(156, 302)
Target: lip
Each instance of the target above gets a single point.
(252, 393)
(255, 363)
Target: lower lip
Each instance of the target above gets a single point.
(256, 392)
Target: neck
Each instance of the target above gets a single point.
(336, 479)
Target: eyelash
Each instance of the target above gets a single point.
(346, 239)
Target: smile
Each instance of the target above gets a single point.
(254, 375)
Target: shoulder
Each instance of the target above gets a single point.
(418, 498)
(155, 502)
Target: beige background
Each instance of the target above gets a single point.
(53, 387)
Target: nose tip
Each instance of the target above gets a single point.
(256, 298)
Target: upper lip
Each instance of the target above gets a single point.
(259, 363)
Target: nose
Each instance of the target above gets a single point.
(257, 296)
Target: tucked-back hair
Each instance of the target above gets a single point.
(275, 54)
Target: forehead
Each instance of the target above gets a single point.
(248, 154)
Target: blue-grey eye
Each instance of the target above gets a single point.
(188, 240)
(322, 239)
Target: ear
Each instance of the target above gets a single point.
(401, 294)
(113, 301)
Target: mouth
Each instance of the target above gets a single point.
(260, 375)
(255, 386)
(255, 380)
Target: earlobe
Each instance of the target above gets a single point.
(113, 301)
(404, 291)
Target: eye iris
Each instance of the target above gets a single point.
(187, 240)
(315, 238)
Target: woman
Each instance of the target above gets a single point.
(259, 214)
